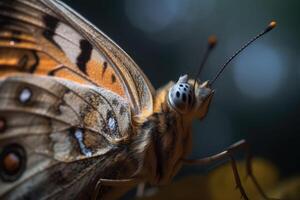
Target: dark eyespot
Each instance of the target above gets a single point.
(12, 162)
(186, 86)
(177, 94)
(180, 85)
(183, 97)
(184, 89)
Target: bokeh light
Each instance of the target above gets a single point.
(259, 72)
(168, 18)
(152, 16)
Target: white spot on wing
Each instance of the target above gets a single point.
(97, 56)
(25, 95)
(112, 124)
(79, 136)
(68, 40)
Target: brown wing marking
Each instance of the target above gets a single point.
(138, 89)
(51, 43)
(94, 109)
(59, 124)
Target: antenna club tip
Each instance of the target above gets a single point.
(272, 24)
(212, 41)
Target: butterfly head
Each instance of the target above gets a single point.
(188, 99)
(194, 99)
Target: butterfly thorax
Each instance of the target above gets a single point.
(168, 128)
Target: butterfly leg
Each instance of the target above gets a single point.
(228, 153)
(249, 169)
(113, 183)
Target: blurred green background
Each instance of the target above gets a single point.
(257, 97)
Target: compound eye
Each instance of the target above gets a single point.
(181, 97)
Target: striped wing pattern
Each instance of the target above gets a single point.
(67, 97)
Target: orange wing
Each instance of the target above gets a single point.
(47, 37)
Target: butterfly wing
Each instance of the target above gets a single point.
(61, 138)
(68, 135)
(48, 37)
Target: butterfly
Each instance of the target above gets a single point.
(79, 119)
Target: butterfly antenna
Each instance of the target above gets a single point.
(212, 41)
(269, 27)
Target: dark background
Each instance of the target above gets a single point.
(257, 97)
